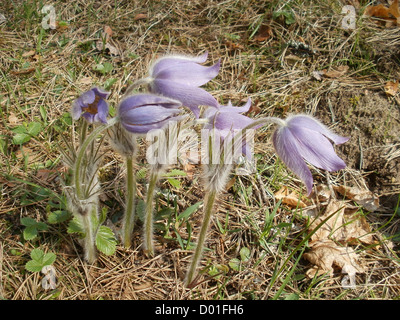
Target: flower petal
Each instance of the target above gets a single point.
(143, 129)
(102, 111)
(168, 60)
(100, 92)
(191, 97)
(286, 147)
(139, 100)
(305, 121)
(147, 114)
(187, 73)
(230, 108)
(317, 149)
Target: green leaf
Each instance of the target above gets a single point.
(189, 211)
(28, 222)
(75, 226)
(39, 260)
(58, 216)
(105, 240)
(34, 128)
(21, 138)
(244, 254)
(235, 264)
(109, 83)
(104, 68)
(33, 266)
(49, 259)
(37, 255)
(174, 182)
(30, 233)
(174, 173)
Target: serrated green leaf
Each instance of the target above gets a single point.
(34, 128)
(28, 222)
(105, 240)
(235, 264)
(58, 216)
(109, 83)
(37, 255)
(30, 233)
(75, 226)
(49, 259)
(244, 254)
(174, 182)
(21, 138)
(175, 173)
(33, 266)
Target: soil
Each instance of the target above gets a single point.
(372, 121)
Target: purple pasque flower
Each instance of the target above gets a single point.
(229, 120)
(92, 106)
(179, 77)
(143, 112)
(302, 138)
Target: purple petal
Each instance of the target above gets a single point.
(102, 111)
(148, 114)
(139, 100)
(286, 147)
(76, 110)
(86, 98)
(229, 121)
(317, 149)
(191, 97)
(89, 117)
(187, 73)
(169, 60)
(100, 92)
(230, 108)
(305, 121)
(143, 129)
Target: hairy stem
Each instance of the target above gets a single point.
(90, 238)
(148, 219)
(129, 217)
(81, 154)
(209, 203)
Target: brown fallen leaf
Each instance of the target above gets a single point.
(391, 88)
(264, 33)
(390, 14)
(336, 72)
(345, 226)
(23, 71)
(291, 199)
(365, 198)
(140, 16)
(326, 256)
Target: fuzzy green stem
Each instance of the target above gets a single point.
(81, 154)
(209, 203)
(129, 217)
(148, 219)
(90, 239)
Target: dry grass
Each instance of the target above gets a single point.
(277, 79)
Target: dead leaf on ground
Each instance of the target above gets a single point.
(23, 71)
(345, 226)
(365, 198)
(335, 72)
(390, 15)
(291, 199)
(106, 43)
(328, 256)
(140, 16)
(264, 33)
(391, 88)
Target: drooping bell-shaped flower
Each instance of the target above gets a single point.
(179, 77)
(229, 120)
(302, 138)
(141, 113)
(92, 106)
